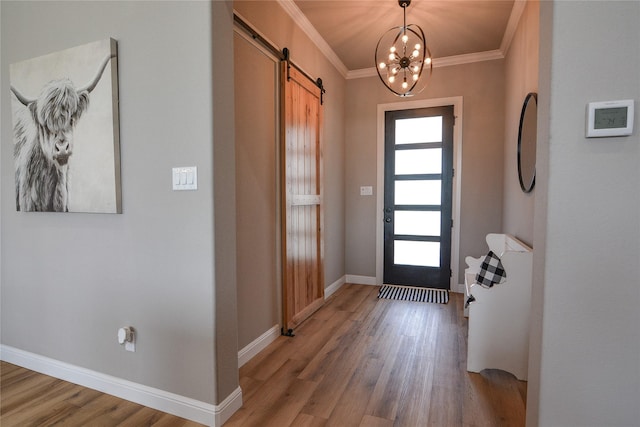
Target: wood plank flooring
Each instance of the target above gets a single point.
(28, 398)
(360, 361)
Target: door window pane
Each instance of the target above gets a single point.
(428, 160)
(419, 129)
(418, 192)
(423, 254)
(411, 223)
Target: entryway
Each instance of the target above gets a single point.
(457, 103)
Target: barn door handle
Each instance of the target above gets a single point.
(387, 219)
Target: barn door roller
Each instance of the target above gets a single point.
(318, 82)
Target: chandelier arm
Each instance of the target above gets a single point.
(410, 28)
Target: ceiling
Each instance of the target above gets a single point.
(453, 28)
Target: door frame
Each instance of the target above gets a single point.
(456, 101)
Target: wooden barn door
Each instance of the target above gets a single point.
(302, 244)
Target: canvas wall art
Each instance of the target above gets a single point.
(66, 130)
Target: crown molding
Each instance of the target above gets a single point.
(298, 17)
(447, 61)
(362, 73)
(468, 58)
(512, 25)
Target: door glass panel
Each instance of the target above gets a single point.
(418, 192)
(420, 129)
(428, 160)
(424, 254)
(424, 223)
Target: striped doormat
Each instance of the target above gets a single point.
(410, 293)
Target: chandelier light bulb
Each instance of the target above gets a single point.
(417, 46)
(427, 61)
(392, 56)
(382, 65)
(415, 77)
(416, 68)
(405, 39)
(392, 79)
(405, 85)
(392, 49)
(415, 53)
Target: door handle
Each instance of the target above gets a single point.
(387, 219)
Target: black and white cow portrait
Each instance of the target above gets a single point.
(45, 140)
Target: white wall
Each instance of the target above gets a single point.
(257, 176)
(585, 369)
(225, 308)
(521, 78)
(69, 281)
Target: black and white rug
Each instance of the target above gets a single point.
(410, 293)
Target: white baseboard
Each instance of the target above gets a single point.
(227, 407)
(181, 406)
(361, 280)
(257, 345)
(332, 288)
(460, 288)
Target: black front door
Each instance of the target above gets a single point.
(417, 197)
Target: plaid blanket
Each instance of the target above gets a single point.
(491, 271)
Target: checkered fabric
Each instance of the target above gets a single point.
(491, 271)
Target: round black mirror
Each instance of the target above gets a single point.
(527, 139)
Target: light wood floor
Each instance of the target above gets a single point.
(360, 361)
(28, 398)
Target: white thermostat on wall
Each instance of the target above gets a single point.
(610, 118)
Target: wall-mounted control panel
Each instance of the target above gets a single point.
(185, 178)
(610, 118)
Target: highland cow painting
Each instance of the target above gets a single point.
(66, 132)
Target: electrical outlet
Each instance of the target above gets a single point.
(366, 190)
(127, 336)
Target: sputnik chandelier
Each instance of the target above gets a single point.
(403, 60)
